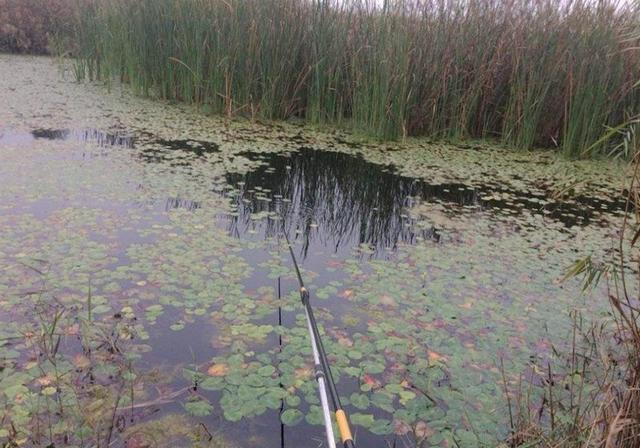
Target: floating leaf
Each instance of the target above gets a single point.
(381, 427)
(198, 408)
(266, 370)
(423, 431)
(81, 361)
(49, 390)
(436, 357)
(291, 417)
(177, 326)
(360, 401)
(365, 420)
(218, 370)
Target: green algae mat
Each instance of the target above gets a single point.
(147, 297)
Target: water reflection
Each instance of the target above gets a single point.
(330, 199)
(333, 200)
(95, 136)
(176, 203)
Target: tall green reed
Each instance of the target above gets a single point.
(529, 73)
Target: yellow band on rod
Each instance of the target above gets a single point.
(343, 425)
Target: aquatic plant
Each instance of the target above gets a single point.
(66, 377)
(530, 73)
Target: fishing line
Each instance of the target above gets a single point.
(280, 351)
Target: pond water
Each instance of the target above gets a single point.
(152, 235)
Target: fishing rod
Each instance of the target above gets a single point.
(322, 368)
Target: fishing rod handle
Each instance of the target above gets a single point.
(343, 427)
(304, 295)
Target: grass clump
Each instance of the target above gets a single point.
(69, 377)
(531, 73)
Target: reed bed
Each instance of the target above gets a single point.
(530, 73)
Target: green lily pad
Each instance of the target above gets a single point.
(291, 417)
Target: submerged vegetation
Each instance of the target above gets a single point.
(538, 73)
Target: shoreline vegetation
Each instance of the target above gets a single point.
(590, 395)
(531, 74)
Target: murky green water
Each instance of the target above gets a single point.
(427, 263)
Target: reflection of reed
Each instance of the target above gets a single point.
(334, 199)
(175, 203)
(352, 201)
(96, 136)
